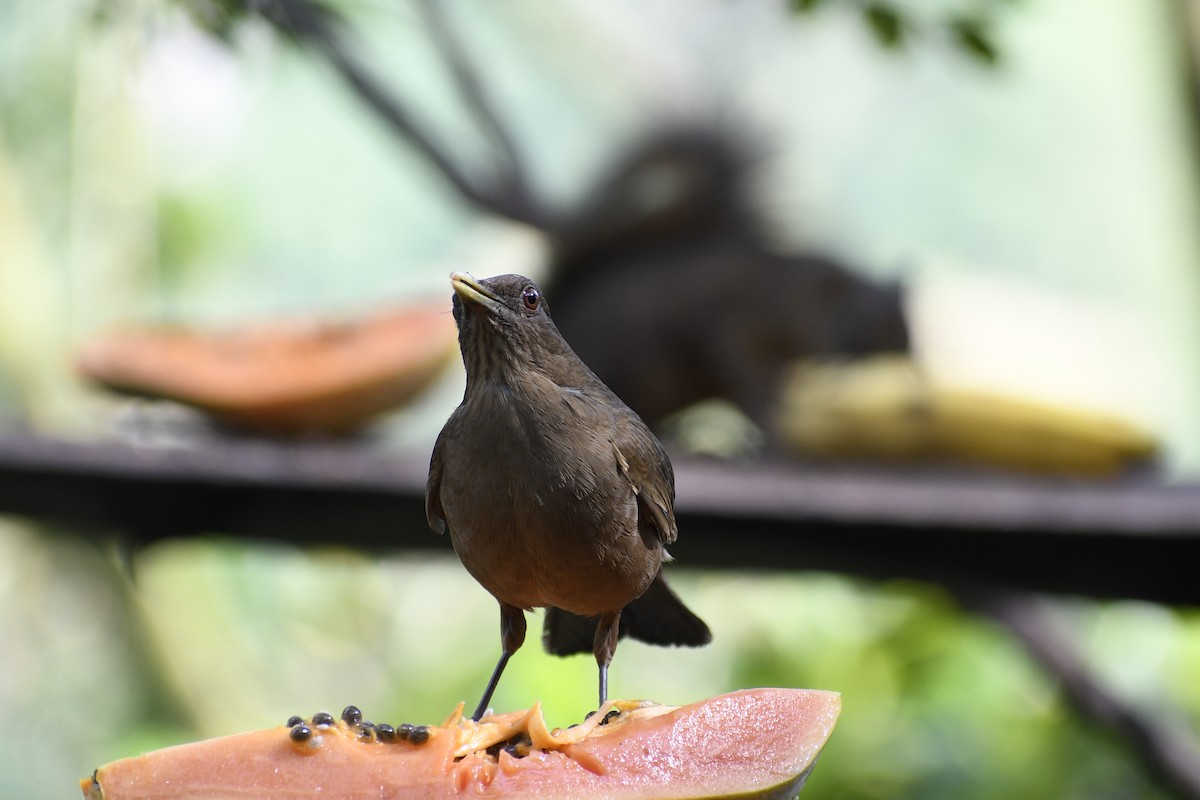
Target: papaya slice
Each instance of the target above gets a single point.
(758, 743)
(283, 377)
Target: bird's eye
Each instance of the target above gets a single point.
(531, 297)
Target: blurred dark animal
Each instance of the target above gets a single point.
(671, 245)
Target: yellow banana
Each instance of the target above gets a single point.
(886, 408)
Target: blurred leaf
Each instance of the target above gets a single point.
(219, 17)
(299, 18)
(975, 38)
(892, 28)
(804, 5)
(295, 18)
(886, 23)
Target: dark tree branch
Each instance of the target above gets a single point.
(308, 23)
(478, 104)
(1168, 752)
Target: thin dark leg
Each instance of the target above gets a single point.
(605, 645)
(512, 636)
(491, 687)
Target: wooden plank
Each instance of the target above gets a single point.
(1136, 539)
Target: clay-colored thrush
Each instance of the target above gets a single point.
(554, 492)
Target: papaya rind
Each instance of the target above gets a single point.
(758, 743)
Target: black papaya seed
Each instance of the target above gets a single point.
(519, 746)
(351, 715)
(301, 733)
(294, 720)
(419, 735)
(322, 719)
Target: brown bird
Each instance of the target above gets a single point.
(554, 492)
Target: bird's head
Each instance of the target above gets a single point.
(504, 327)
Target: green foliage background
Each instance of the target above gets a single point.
(219, 637)
(124, 196)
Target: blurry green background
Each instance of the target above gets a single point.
(1043, 212)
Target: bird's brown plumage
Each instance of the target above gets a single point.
(553, 492)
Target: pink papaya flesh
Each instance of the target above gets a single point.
(759, 743)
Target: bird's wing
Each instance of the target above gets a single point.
(433, 489)
(645, 464)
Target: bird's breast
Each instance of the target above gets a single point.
(539, 513)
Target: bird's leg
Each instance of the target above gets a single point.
(512, 636)
(605, 644)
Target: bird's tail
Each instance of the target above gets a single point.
(657, 617)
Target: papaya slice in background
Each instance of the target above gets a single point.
(754, 743)
(282, 378)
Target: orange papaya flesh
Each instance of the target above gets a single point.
(282, 377)
(759, 743)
